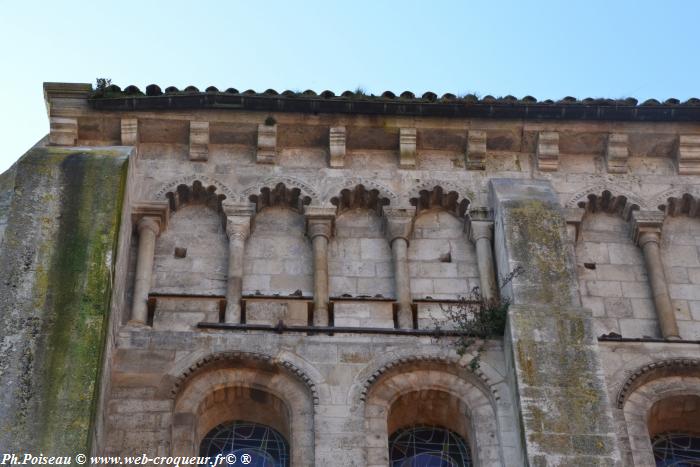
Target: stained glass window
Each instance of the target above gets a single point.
(428, 446)
(264, 446)
(676, 450)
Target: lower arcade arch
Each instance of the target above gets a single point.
(226, 408)
(430, 416)
(663, 422)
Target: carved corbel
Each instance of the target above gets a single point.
(407, 146)
(199, 141)
(617, 153)
(337, 145)
(548, 151)
(267, 144)
(476, 150)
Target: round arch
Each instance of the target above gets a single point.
(227, 390)
(429, 381)
(638, 406)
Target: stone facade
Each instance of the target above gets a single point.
(283, 264)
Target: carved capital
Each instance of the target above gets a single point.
(320, 221)
(646, 226)
(479, 224)
(238, 219)
(238, 227)
(154, 214)
(399, 222)
(233, 209)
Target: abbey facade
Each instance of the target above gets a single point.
(188, 272)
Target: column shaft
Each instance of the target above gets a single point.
(147, 230)
(234, 284)
(657, 280)
(487, 275)
(399, 250)
(320, 247)
(481, 234)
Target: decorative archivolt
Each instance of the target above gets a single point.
(437, 197)
(352, 182)
(242, 359)
(655, 370)
(607, 202)
(280, 195)
(486, 377)
(291, 183)
(189, 180)
(360, 197)
(682, 204)
(196, 193)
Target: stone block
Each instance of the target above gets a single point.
(603, 288)
(129, 131)
(476, 150)
(547, 152)
(63, 131)
(337, 146)
(688, 155)
(407, 148)
(292, 312)
(635, 327)
(625, 253)
(199, 141)
(363, 314)
(267, 144)
(617, 153)
(431, 315)
(618, 307)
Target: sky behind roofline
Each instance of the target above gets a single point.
(547, 49)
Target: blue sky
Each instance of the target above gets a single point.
(548, 49)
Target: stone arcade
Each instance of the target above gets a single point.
(181, 269)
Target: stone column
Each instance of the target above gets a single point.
(319, 228)
(149, 219)
(647, 234)
(480, 230)
(238, 223)
(399, 224)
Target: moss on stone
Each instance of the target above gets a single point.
(74, 232)
(539, 244)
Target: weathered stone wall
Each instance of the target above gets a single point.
(442, 260)
(7, 190)
(57, 261)
(278, 255)
(613, 278)
(548, 393)
(681, 253)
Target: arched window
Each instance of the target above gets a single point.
(265, 446)
(428, 446)
(676, 449)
